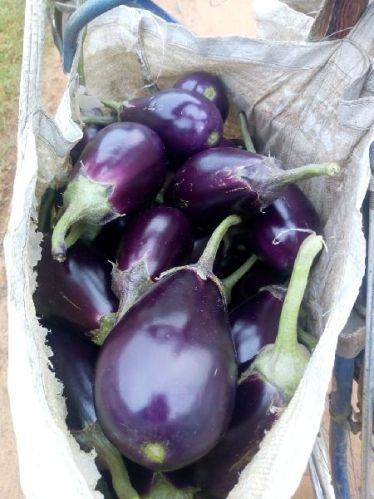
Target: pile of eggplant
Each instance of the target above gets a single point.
(173, 269)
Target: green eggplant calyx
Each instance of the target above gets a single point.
(84, 201)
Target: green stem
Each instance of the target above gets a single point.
(112, 459)
(99, 120)
(304, 172)
(46, 206)
(307, 339)
(81, 230)
(80, 68)
(230, 281)
(112, 104)
(245, 132)
(107, 323)
(287, 331)
(84, 200)
(206, 260)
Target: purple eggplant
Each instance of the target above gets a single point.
(208, 85)
(119, 171)
(264, 389)
(166, 376)
(276, 233)
(73, 362)
(77, 291)
(186, 122)
(156, 240)
(255, 322)
(259, 276)
(161, 236)
(220, 181)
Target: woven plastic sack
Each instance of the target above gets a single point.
(305, 102)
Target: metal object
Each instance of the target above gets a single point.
(340, 412)
(368, 378)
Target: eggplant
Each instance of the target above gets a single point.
(208, 85)
(264, 389)
(109, 237)
(276, 233)
(156, 240)
(166, 376)
(77, 291)
(74, 361)
(119, 171)
(186, 122)
(224, 180)
(254, 323)
(259, 276)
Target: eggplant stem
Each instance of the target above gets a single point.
(113, 460)
(206, 260)
(112, 104)
(230, 281)
(287, 331)
(80, 230)
(245, 132)
(99, 120)
(304, 172)
(307, 339)
(84, 200)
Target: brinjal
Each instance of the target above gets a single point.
(186, 122)
(208, 85)
(276, 233)
(156, 240)
(77, 291)
(74, 361)
(166, 376)
(118, 172)
(264, 389)
(223, 180)
(254, 323)
(259, 276)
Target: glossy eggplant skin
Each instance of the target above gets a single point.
(166, 376)
(77, 291)
(161, 236)
(186, 122)
(259, 276)
(255, 322)
(208, 85)
(130, 159)
(273, 233)
(223, 180)
(257, 406)
(73, 362)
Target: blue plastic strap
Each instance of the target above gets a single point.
(92, 9)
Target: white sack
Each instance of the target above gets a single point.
(306, 103)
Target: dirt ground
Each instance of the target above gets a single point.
(206, 17)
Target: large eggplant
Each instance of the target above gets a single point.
(223, 180)
(276, 233)
(264, 389)
(119, 171)
(254, 323)
(186, 121)
(77, 291)
(74, 361)
(166, 376)
(208, 85)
